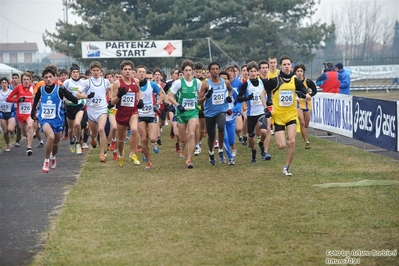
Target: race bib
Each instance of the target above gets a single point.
(96, 101)
(25, 108)
(256, 100)
(188, 104)
(128, 99)
(147, 108)
(286, 98)
(6, 108)
(218, 97)
(48, 111)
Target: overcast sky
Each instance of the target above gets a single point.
(26, 20)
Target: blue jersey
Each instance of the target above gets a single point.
(217, 103)
(51, 110)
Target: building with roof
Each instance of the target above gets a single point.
(15, 53)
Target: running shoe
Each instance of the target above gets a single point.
(144, 159)
(121, 161)
(115, 157)
(112, 146)
(286, 171)
(307, 145)
(196, 151)
(221, 157)
(93, 143)
(159, 141)
(181, 155)
(78, 148)
(266, 157)
(253, 157)
(29, 151)
(216, 144)
(172, 134)
(8, 147)
(212, 159)
(135, 160)
(231, 162)
(53, 163)
(189, 165)
(102, 158)
(139, 148)
(155, 148)
(234, 152)
(17, 145)
(244, 141)
(148, 166)
(177, 147)
(46, 167)
(240, 139)
(72, 148)
(41, 144)
(85, 146)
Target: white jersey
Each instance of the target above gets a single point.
(73, 87)
(255, 106)
(149, 94)
(5, 107)
(99, 87)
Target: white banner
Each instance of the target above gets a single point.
(332, 112)
(373, 72)
(127, 49)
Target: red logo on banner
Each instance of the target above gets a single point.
(169, 48)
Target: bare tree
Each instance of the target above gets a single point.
(364, 29)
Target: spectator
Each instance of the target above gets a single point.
(330, 80)
(344, 87)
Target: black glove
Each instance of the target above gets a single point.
(228, 99)
(181, 108)
(268, 114)
(122, 91)
(110, 105)
(172, 108)
(250, 97)
(209, 93)
(269, 103)
(91, 95)
(22, 99)
(229, 112)
(155, 108)
(32, 115)
(140, 105)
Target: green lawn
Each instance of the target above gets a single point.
(227, 215)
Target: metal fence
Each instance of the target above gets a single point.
(315, 68)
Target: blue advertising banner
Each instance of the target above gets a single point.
(374, 122)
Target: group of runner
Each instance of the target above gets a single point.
(137, 102)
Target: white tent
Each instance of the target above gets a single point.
(7, 71)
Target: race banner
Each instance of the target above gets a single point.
(373, 72)
(332, 112)
(374, 122)
(128, 49)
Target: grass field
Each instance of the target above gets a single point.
(247, 214)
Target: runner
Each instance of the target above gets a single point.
(95, 89)
(23, 96)
(253, 92)
(147, 122)
(304, 107)
(7, 113)
(230, 126)
(51, 115)
(285, 113)
(74, 112)
(127, 97)
(186, 92)
(215, 96)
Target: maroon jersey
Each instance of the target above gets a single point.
(127, 105)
